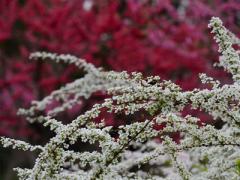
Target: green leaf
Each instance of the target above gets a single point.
(238, 166)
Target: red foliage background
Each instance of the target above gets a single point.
(161, 37)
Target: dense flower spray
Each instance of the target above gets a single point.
(137, 150)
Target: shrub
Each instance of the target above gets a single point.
(156, 37)
(137, 150)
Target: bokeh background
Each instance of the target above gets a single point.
(168, 38)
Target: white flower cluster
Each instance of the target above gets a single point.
(139, 150)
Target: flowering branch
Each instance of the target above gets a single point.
(204, 152)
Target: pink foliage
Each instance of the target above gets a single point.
(160, 37)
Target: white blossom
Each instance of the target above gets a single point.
(139, 150)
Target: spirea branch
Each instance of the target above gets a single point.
(138, 150)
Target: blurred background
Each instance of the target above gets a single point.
(168, 38)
